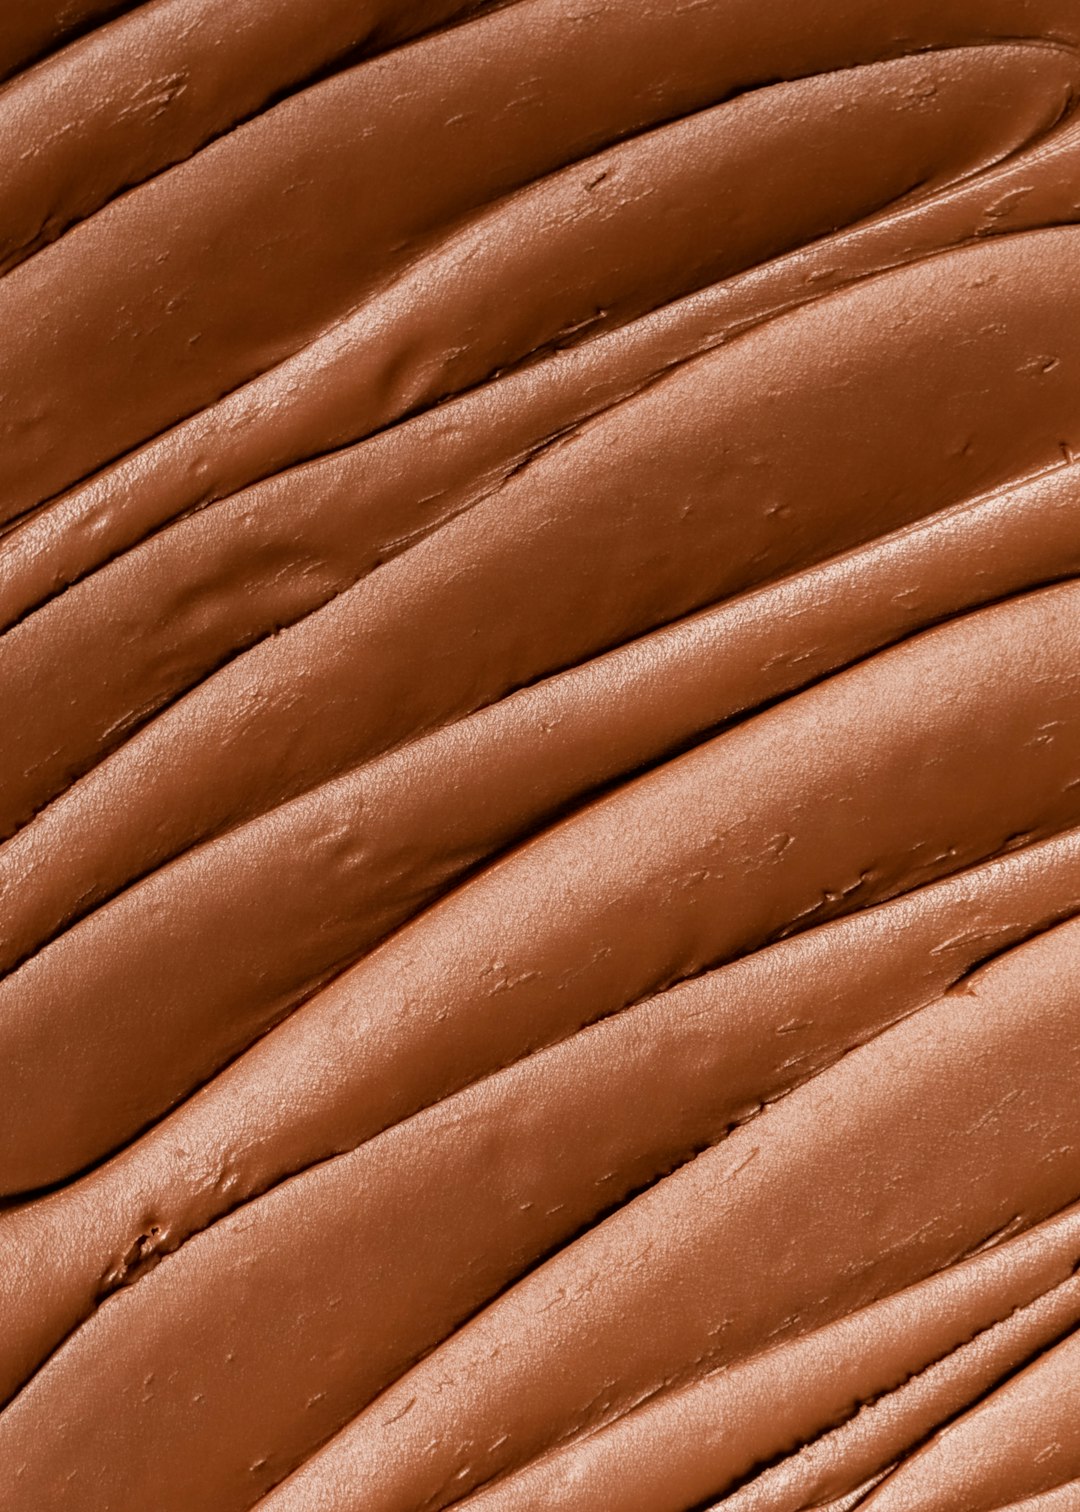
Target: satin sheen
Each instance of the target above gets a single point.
(540, 778)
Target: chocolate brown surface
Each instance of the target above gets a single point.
(540, 780)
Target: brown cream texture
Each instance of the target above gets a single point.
(540, 780)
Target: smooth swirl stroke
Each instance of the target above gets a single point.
(540, 796)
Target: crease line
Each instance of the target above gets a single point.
(901, 208)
